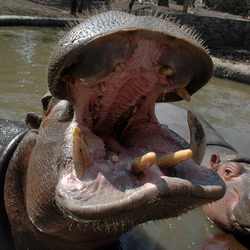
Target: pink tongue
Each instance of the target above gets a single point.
(116, 104)
(131, 80)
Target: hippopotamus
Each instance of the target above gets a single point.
(99, 162)
(232, 211)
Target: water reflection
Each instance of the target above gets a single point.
(27, 43)
(23, 69)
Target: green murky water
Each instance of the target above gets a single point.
(24, 55)
(226, 105)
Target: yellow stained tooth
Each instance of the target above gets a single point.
(183, 93)
(166, 71)
(81, 156)
(143, 162)
(171, 160)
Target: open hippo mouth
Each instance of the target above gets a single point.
(118, 164)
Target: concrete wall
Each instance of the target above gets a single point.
(238, 7)
(64, 3)
(219, 32)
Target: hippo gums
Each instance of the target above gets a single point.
(100, 162)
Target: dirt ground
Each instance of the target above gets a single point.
(28, 8)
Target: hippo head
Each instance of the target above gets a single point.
(232, 212)
(100, 162)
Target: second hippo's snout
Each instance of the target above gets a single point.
(241, 210)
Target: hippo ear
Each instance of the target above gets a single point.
(214, 162)
(33, 120)
(45, 101)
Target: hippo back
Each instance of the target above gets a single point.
(9, 130)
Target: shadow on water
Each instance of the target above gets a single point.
(23, 68)
(188, 231)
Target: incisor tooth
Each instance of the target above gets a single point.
(143, 162)
(171, 160)
(83, 82)
(81, 157)
(166, 71)
(183, 93)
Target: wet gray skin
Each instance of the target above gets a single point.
(66, 191)
(232, 211)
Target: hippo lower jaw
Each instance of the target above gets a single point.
(152, 198)
(116, 200)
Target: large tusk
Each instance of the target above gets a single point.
(183, 93)
(81, 156)
(197, 137)
(171, 160)
(143, 162)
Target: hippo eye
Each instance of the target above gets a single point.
(231, 170)
(228, 171)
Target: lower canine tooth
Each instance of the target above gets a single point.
(81, 156)
(183, 93)
(143, 162)
(171, 160)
